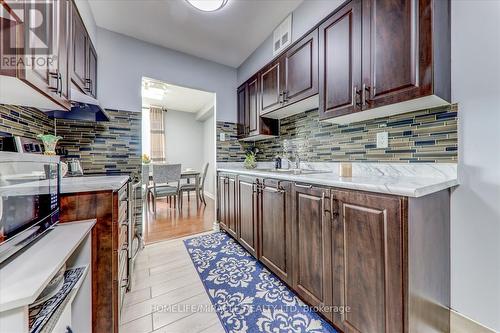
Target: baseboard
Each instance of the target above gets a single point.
(462, 324)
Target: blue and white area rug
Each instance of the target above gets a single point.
(246, 296)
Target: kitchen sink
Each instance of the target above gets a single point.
(293, 171)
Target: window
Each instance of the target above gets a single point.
(157, 132)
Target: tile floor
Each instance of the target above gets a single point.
(167, 294)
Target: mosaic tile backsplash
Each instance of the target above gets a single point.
(422, 136)
(104, 147)
(24, 121)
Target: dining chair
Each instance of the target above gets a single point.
(200, 191)
(166, 182)
(145, 185)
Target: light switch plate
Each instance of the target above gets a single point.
(382, 140)
(222, 137)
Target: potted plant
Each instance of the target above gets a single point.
(251, 158)
(146, 159)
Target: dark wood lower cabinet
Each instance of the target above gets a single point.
(312, 245)
(370, 263)
(276, 227)
(109, 250)
(248, 213)
(227, 204)
(367, 258)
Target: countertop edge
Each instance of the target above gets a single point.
(392, 189)
(113, 185)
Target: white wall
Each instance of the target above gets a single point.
(305, 16)
(183, 139)
(123, 61)
(475, 208)
(88, 19)
(209, 153)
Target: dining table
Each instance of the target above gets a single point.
(188, 174)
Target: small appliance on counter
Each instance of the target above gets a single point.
(74, 168)
(29, 199)
(20, 144)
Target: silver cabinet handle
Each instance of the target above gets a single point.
(303, 186)
(285, 96)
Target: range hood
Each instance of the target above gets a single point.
(83, 107)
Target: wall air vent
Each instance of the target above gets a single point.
(282, 35)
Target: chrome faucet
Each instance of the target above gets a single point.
(297, 161)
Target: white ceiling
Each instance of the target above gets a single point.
(227, 36)
(181, 99)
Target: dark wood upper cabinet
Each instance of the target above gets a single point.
(301, 69)
(92, 72)
(243, 119)
(276, 228)
(11, 32)
(58, 49)
(340, 62)
(377, 53)
(312, 245)
(367, 261)
(391, 51)
(41, 47)
(248, 213)
(271, 87)
(251, 126)
(253, 106)
(80, 46)
(64, 29)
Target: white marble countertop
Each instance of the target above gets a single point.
(23, 279)
(409, 180)
(92, 184)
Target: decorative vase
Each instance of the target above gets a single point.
(49, 143)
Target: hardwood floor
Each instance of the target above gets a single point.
(167, 295)
(169, 223)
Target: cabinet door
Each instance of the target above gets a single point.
(231, 204)
(271, 87)
(312, 242)
(10, 33)
(368, 256)
(92, 71)
(340, 62)
(253, 110)
(41, 47)
(221, 200)
(63, 14)
(243, 121)
(247, 213)
(396, 50)
(276, 228)
(80, 45)
(301, 69)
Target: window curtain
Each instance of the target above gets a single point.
(157, 134)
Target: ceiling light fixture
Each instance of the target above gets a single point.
(207, 5)
(153, 93)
